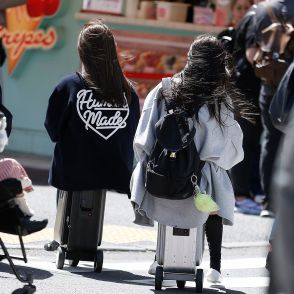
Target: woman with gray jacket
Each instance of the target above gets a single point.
(204, 90)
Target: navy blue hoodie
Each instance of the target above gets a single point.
(94, 140)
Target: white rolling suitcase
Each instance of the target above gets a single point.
(179, 252)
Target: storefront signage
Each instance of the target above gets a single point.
(22, 33)
(104, 6)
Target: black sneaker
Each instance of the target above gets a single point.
(32, 226)
(267, 210)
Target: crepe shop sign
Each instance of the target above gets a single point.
(17, 42)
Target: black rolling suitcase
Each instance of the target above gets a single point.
(78, 227)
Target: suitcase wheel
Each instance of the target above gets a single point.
(98, 261)
(199, 280)
(158, 278)
(73, 262)
(60, 257)
(181, 284)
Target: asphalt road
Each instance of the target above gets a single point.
(125, 265)
(126, 273)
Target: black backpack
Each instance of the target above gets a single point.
(174, 167)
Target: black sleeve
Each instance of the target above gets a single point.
(261, 21)
(242, 32)
(250, 37)
(249, 34)
(57, 111)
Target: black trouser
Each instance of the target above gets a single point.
(245, 175)
(214, 235)
(270, 143)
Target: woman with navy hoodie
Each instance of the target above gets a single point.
(92, 117)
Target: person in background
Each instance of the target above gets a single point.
(12, 169)
(238, 10)
(283, 10)
(245, 175)
(14, 179)
(204, 89)
(92, 117)
(280, 114)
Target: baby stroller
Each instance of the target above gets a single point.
(13, 221)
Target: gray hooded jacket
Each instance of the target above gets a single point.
(220, 147)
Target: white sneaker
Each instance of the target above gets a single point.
(23, 206)
(213, 276)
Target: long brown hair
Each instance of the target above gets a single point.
(101, 68)
(206, 80)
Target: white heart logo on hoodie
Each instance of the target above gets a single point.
(101, 117)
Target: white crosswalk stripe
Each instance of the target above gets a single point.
(137, 267)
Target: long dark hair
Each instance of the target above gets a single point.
(101, 69)
(206, 80)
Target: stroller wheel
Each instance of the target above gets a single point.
(60, 258)
(27, 289)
